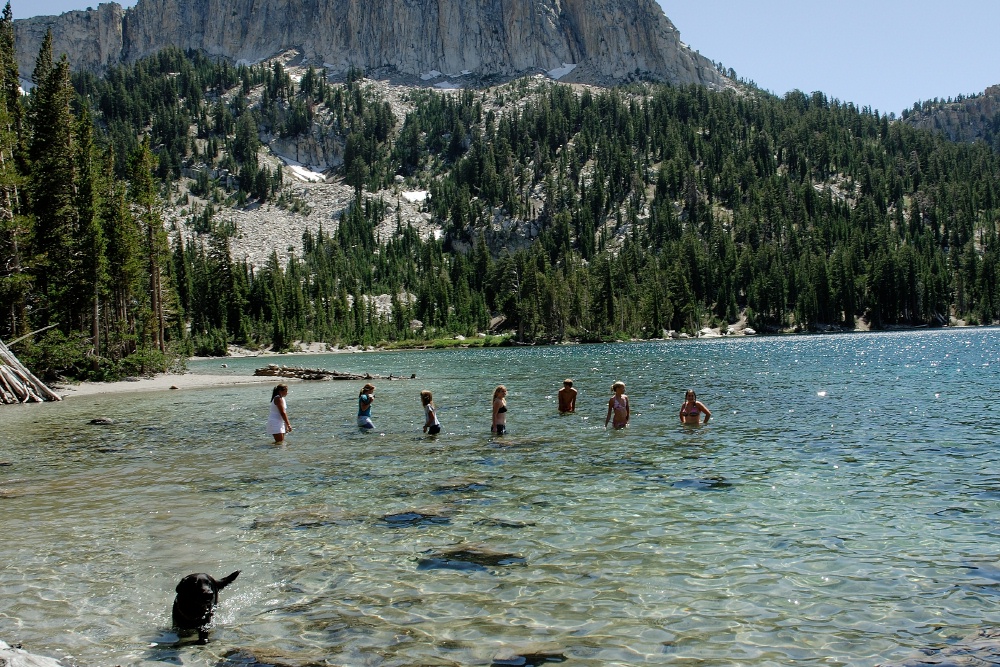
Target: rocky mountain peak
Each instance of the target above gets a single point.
(432, 42)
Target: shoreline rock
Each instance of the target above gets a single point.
(15, 656)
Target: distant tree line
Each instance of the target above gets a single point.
(625, 212)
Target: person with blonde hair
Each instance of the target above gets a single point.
(365, 399)
(499, 425)
(618, 407)
(431, 424)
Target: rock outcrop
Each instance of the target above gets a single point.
(437, 42)
(92, 39)
(969, 119)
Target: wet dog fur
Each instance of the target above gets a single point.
(197, 597)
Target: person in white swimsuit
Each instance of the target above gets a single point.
(277, 418)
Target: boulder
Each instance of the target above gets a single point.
(468, 557)
(981, 649)
(529, 655)
(11, 656)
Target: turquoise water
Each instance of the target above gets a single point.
(839, 509)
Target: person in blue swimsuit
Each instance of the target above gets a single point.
(692, 409)
(365, 399)
(499, 410)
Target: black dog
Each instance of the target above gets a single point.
(197, 597)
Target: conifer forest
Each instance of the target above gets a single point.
(642, 209)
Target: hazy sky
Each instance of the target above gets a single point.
(886, 54)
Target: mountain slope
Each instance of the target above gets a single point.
(967, 119)
(609, 41)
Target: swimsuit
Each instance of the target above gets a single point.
(693, 411)
(500, 429)
(618, 404)
(275, 424)
(365, 411)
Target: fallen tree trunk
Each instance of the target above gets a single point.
(298, 373)
(18, 384)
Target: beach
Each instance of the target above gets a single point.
(164, 382)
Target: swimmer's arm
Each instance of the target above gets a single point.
(708, 413)
(608, 418)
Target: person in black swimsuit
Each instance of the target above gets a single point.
(499, 425)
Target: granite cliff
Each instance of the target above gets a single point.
(973, 118)
(437, 42)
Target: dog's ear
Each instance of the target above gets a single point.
(185, 583)
(225, 581)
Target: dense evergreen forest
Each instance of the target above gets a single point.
(636, 210)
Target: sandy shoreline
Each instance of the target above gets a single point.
(164, 382)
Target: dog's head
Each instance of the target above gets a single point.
(197, 595)
(203, 586)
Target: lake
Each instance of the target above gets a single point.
(841, 508)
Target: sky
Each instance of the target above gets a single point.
(883, 54)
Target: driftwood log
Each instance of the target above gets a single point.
(299, 373)
(17, 384)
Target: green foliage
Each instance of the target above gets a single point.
(566, 214)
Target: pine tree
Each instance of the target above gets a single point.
(143, 194)
(123, 239)
(90, 240)
(53, 197)
(15, 282)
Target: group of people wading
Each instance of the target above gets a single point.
(619, 411)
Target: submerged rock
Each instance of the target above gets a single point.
(247, 657)
(504, 523)
(703, 484)
(102, 421)
(529, 655)
(306, 517)
(427, 515)
(460, 485)
(468, 557)
(981, 649)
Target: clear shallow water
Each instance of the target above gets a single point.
(839, 509)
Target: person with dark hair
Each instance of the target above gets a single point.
(277, 418)
(692, 409)
(431, 423)
(567, 397)
(365, 399)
